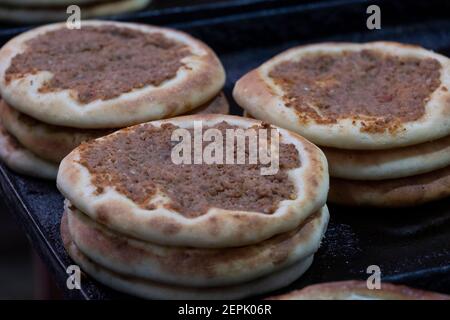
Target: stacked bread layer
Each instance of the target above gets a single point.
(377, 155)
(390, 178)
(41, 128)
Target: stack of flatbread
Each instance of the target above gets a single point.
(142, 223)
(380, 111)
(61, 87)
(40, 11)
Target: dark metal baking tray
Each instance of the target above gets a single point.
(411, 245)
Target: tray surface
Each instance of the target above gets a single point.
(411, 245)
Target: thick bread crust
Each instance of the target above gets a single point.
(188, 90)
(357, 290)
(216, 228)
(390, 163)
(53, 143)
(47, 141)
(191, 266)
(19, 159)
(262, 98)
(153, 290)
(42, 14)
(402, 192)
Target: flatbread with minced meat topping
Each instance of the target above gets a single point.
(128, 182)
(107, 74)
(375, 95)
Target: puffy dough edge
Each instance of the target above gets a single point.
(21, 160)
(390, 163)
(216, 228)
(179, 95)
(262, 98)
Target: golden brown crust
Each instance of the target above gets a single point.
(216, 228)
(357, 290)
(409, 191)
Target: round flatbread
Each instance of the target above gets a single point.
(390, 163)
(194, 267)
(19, 159)
(139, 191)
(38, 13)
(357, 290)
(107, 74)
(409, 191)
(53, 143)
(375, 95)
(153, 290)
